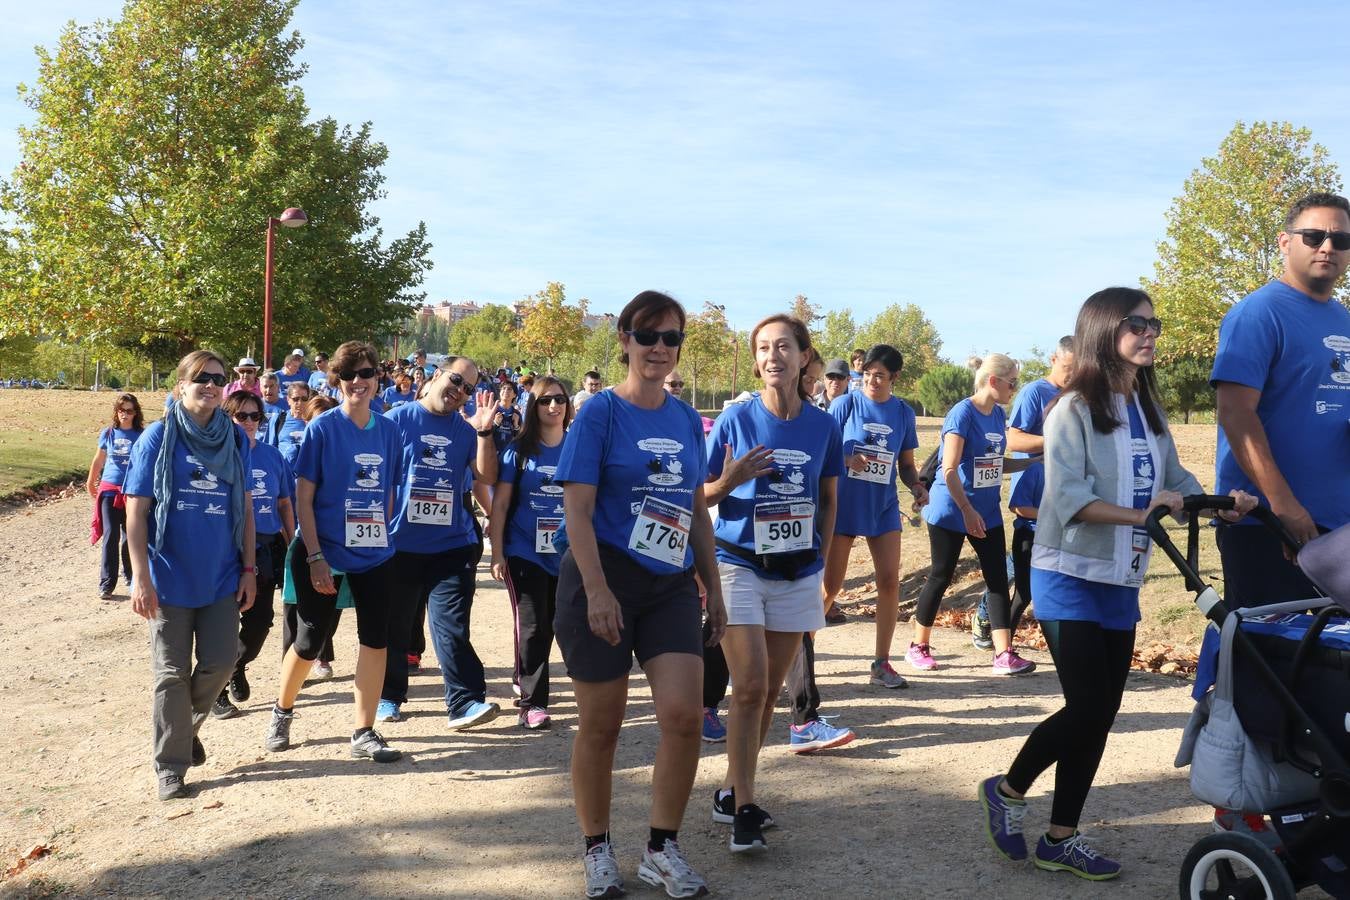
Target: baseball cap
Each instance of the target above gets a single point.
(836, 367)
(298, 352)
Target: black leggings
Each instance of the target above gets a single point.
(1022, 540)
(1092, 663)
(945, 549)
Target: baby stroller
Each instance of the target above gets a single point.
(1273, 736)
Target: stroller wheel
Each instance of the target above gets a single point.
(1227, 865)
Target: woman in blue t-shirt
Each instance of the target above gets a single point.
(190, 527)
(508, 419)
(348, 465)
(773, 467)
(1109, 462)
(107, 473)
(637, 525)
(526, 512)
(879, 441)
(400, 393)
(965, 507)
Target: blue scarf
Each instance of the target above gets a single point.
(216, 446)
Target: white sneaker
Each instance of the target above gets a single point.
(602, 872)
(669, 869)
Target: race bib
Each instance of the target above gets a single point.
(1140, 547)
(366, 527)
(428, 507)
(784, 527)
(988, 471)
(877, 464)
(545, 530)
(661, 531)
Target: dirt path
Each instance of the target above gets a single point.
(487, 813)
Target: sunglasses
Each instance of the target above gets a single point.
(367, 372)
(1315, 237)
(125, 411)
(648, 337)
(242, 416)
(675, 384)
(456, 379)
(553, 400)
(1012, 385)
(1138, 325)
(210, 378)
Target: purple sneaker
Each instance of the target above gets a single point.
(1003, 819)
(920, 656)
(1074, 855)
(1009, 663)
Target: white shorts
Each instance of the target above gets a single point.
(777, 605)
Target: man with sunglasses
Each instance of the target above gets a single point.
(1282, 375)
(437, 541)
(318, 379)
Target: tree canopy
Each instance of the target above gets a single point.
(551, 327)
(907, 329)
(487, 337)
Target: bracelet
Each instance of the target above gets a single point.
(250, 570)
(314, 557)
(485, 433)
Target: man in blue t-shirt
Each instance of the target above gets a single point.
(318, 379)
(293, 369)
(1282, 376)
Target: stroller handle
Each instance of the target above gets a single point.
(1194, 504)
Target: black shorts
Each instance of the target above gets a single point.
(315, 612)
(661, 614)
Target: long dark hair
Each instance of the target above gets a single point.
(800, 333)
(527, 441)
(137, 418)
(1098, 368)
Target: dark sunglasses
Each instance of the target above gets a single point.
(126, 411)
(242, 416)
(1138, 325)
(367, 372)
(675, 384)
(210, 378)
(1315, 237)
(648, 337)
(553, 400)
(456, 379)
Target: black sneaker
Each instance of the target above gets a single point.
(239, 691)
(198, 751)
(223, 708)
(370, 745)
(981, 630)
(279, 731)
(747, 832)
(172, 787)
(724, 810)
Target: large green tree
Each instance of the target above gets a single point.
(161, 144)
(550, 326)
(837, 335)
(907, 329)
(708, 350)
(487, 337)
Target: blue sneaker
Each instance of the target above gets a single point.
(387, 711)
(817, 735)
(714, 732)
(1074, 855)
(1003, 820)
(475, 713)
(981, 632)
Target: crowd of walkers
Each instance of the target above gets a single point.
(624, 525)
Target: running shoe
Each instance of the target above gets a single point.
(239, 689)
(1074, 855)
(1003, 819)
(668, 868)
(279, 731)
(388, 711)
(981, 632)
(747, 835)
(172, 787)
(414, 662)
(222, 708)
(884, 674)
(724, 810)
(534, 718)
(602, 872)
(198, 751)
(817, 735)
(369, 744)
(835, 616)
(714, 732)
(105, 596)
(1253, 824)
(322, 671)
(1009, 663)
(920, 656)
(476, 713)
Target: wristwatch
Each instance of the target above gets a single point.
(486, 432)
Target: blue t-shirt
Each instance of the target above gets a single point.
(868, 502)
(393, 399)
(775, 513)
(318, 383)
(270, 411)
(197, 563)
(117, 443)
(288, 437)
(539, 506)
(301, 375)
(981, 467)
(505, 431)
(1296, 352)
(1113, 606)
(1028, 415)
(1026, 492)
(437, 459)
(646, 465)
(354, 471)
(271, 479)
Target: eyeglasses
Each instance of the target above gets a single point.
(648, 337)
(675, 384)
(242, 416)
(553, 400)
(1138, 325)
(210, 378)
(126, 411)
(1315, 237)
(367, 372)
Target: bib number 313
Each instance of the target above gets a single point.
(366, 527)
(661, 531)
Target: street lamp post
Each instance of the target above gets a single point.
(609, 330)
(293, 217)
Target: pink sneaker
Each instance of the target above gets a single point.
(534, 718)
(921, 658)
(1009, 663)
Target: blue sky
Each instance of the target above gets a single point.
(993, 163)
